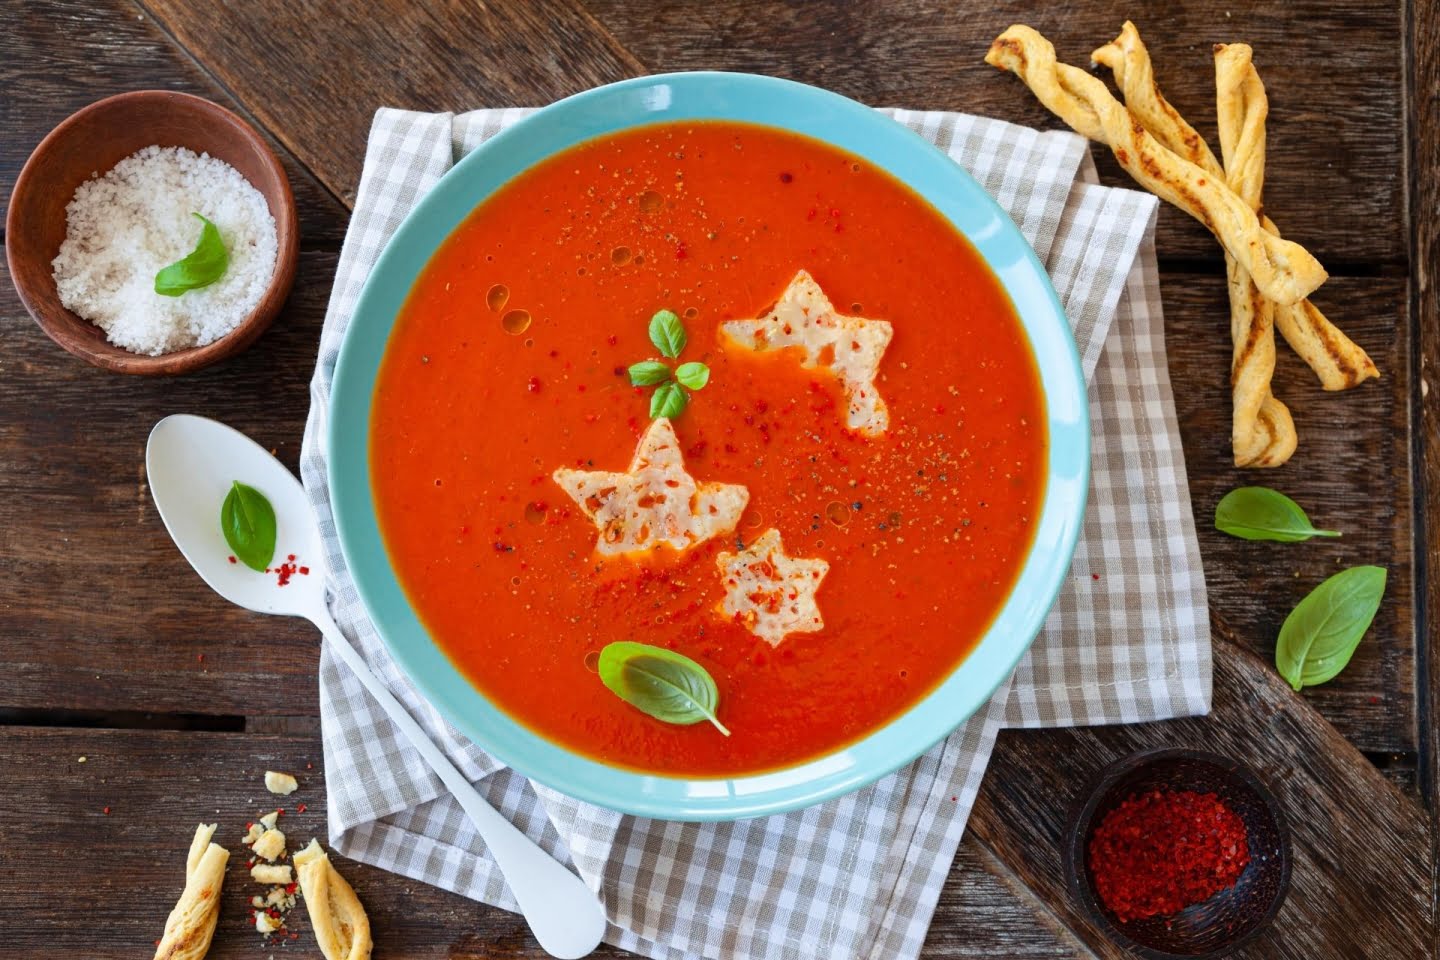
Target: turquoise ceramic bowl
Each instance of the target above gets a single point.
(859, 131)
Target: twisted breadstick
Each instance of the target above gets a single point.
(191, 924)
(1242, 112)
(1284, 271)
(1262, 432)
(1334, 357)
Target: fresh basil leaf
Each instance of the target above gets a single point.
(1259, 513)
(248, 522)
(693, 375)
(202, 267)
(668, 400)
(667, 333)
(662, 683)
(1322, 632)
(647, 373)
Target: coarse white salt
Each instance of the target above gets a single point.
(126, 226)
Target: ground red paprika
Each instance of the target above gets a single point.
(1160, 851)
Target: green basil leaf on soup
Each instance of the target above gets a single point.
(248, 522)
(647, 373)
(1259, 513)
(200, 268)
(662, 683)
(667, 333)
(693, 375)
(668, 400)
(1320, 635)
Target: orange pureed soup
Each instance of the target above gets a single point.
(509, 360)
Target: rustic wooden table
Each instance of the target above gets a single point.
(116, 655)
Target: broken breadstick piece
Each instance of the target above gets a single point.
(1283, 270)
(271, 873)
(270, 846)
(191, 925)
(280, 783)
(336, 917)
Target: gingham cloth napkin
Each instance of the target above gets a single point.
(858, 876)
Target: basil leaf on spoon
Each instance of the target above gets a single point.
(248, 522)
(662, 683)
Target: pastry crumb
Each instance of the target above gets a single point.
(280, 783)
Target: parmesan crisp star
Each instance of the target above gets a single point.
(850, 347)
(768, 593)
(655, 502)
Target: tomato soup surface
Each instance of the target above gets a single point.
(509, 361)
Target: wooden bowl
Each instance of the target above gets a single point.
(92, 141)
(1231, 917)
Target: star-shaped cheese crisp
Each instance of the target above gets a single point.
(768, 593)
(851, 347)
(655, 502)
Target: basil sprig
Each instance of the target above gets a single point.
(200, 268)
(662, 683)
(667, 332)
(248, 522)
(1320, 635)
(1259, 513)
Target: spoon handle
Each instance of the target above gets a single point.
(565, 915)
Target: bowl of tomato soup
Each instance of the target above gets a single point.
(735, 373)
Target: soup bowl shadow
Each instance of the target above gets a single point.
(90, 142)
(1229, 919)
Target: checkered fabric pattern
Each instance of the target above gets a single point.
(857, 877)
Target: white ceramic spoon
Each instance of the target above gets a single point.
(191, 463)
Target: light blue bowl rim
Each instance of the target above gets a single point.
(851, 127)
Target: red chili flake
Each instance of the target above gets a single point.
(290, 888)
(785, 177)
(291, 558)
(284, 572)
(107, 811)
(1161, 851)
(1094, 576)
(309, 766)
(304, 571)
(619, 371)
(231, 559)
(200, 657)
(612, 339)
(533, 385)
(300, 809)
(680, 253)
(554, 354)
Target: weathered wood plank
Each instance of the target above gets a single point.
(1335, 129)
(399, 54)
(159, 784)
(1351, 473)
(98, 609)
(79, 523)
(1423, 61)
(63, 54)
(1361, 881)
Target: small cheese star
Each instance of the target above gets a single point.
(768, 593)
(655, 502)
(851, 347)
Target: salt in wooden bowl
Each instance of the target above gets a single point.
(90, 142)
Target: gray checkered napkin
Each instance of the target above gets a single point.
(858, 876)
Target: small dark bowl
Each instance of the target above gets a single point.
(1231, 917)
(93, 140)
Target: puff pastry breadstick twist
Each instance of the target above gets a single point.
(1262, 431)
(1283, 270)
(1336, 360)
(191, 925)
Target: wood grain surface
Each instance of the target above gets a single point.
(159, 784)
(105, 626)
